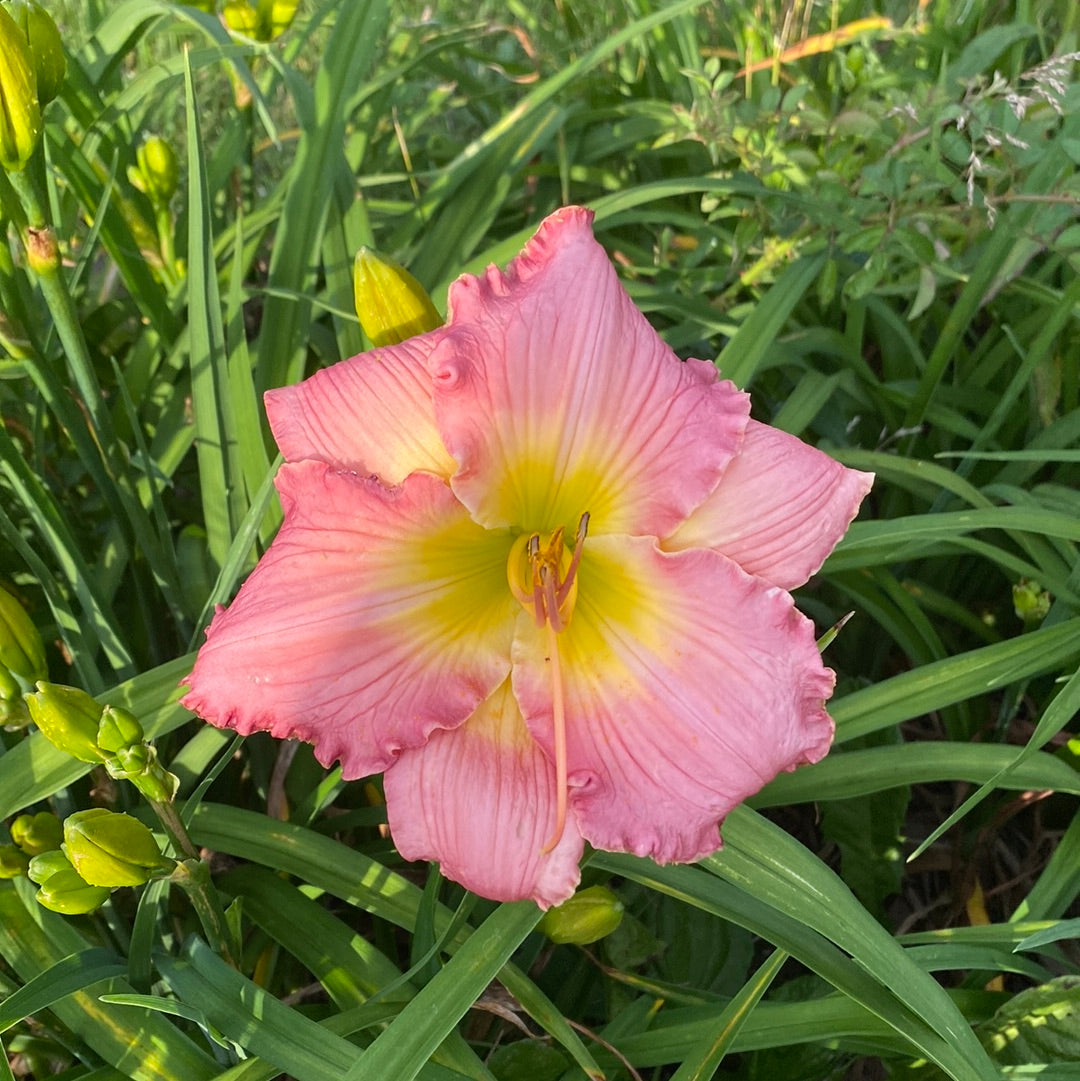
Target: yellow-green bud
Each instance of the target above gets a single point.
(139, 765)
(263, 21)
(118, 730)
(38, 833)
(157, 172)
(13, 711)
(1030, 601)
(276, 16)
(20, 110)
(241, 17)
(109, 849)
(203, 5)
(68, 719)
(62, 890)
(21, 650)
(45, 45)
(13, 861)
(586, 917)
(390, 303)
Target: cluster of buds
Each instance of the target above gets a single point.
(32, 67)
(261, 20)
(76, 866)
(390, 303)
(82, 727)
(22, 660)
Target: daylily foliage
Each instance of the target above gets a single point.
(535, 568)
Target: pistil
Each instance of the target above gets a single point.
(544, 581)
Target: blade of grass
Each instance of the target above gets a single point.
(703, 1060)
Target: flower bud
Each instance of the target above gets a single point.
(13, 711)
(21, 649)
(282, 13)
(62, 890)
(139, 765)
(20, 110)
(241, 17)
(264, 20)
(68, 719)
(586, 917)
(118, 730)
(112, 850)
(1030, 601)
(13, 861)
(202, 5)
(45, 46)
(390, 303)
(157, 172)
(38, 833)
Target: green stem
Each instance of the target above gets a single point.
(175, 829)
(193, 877)
(44, 257)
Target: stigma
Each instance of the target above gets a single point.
(542, 573)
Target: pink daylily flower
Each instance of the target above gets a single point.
(534, 567)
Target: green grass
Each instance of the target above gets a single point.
(879, 240)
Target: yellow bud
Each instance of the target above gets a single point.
(38, 833)
(390, 303)
(20, 110)
(586, 917)
(62, 890)
(282, 13)
(158, 170)
(45, 45)
(68, 719)
(21, 650)
(112, 850)
(241, 17)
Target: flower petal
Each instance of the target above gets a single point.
(779, 509)
(556, 397)
(688, 685)
(377, 615)
(481, 800)
(370, 414)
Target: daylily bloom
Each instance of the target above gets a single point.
(535, 568)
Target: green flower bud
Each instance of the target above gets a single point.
(45, 45)
(202, 5)
(157, 172)
(140, 766)
(390, 303)
(586, 917)
(1030, 601)
(36, 834)
(112, 850)
(13, 711)
(118, 730)
(62, 890)
(21, 650)
(20, 110)
(13, 861)
(68, 719)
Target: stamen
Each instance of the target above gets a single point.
(579, 547)
(558, 721)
